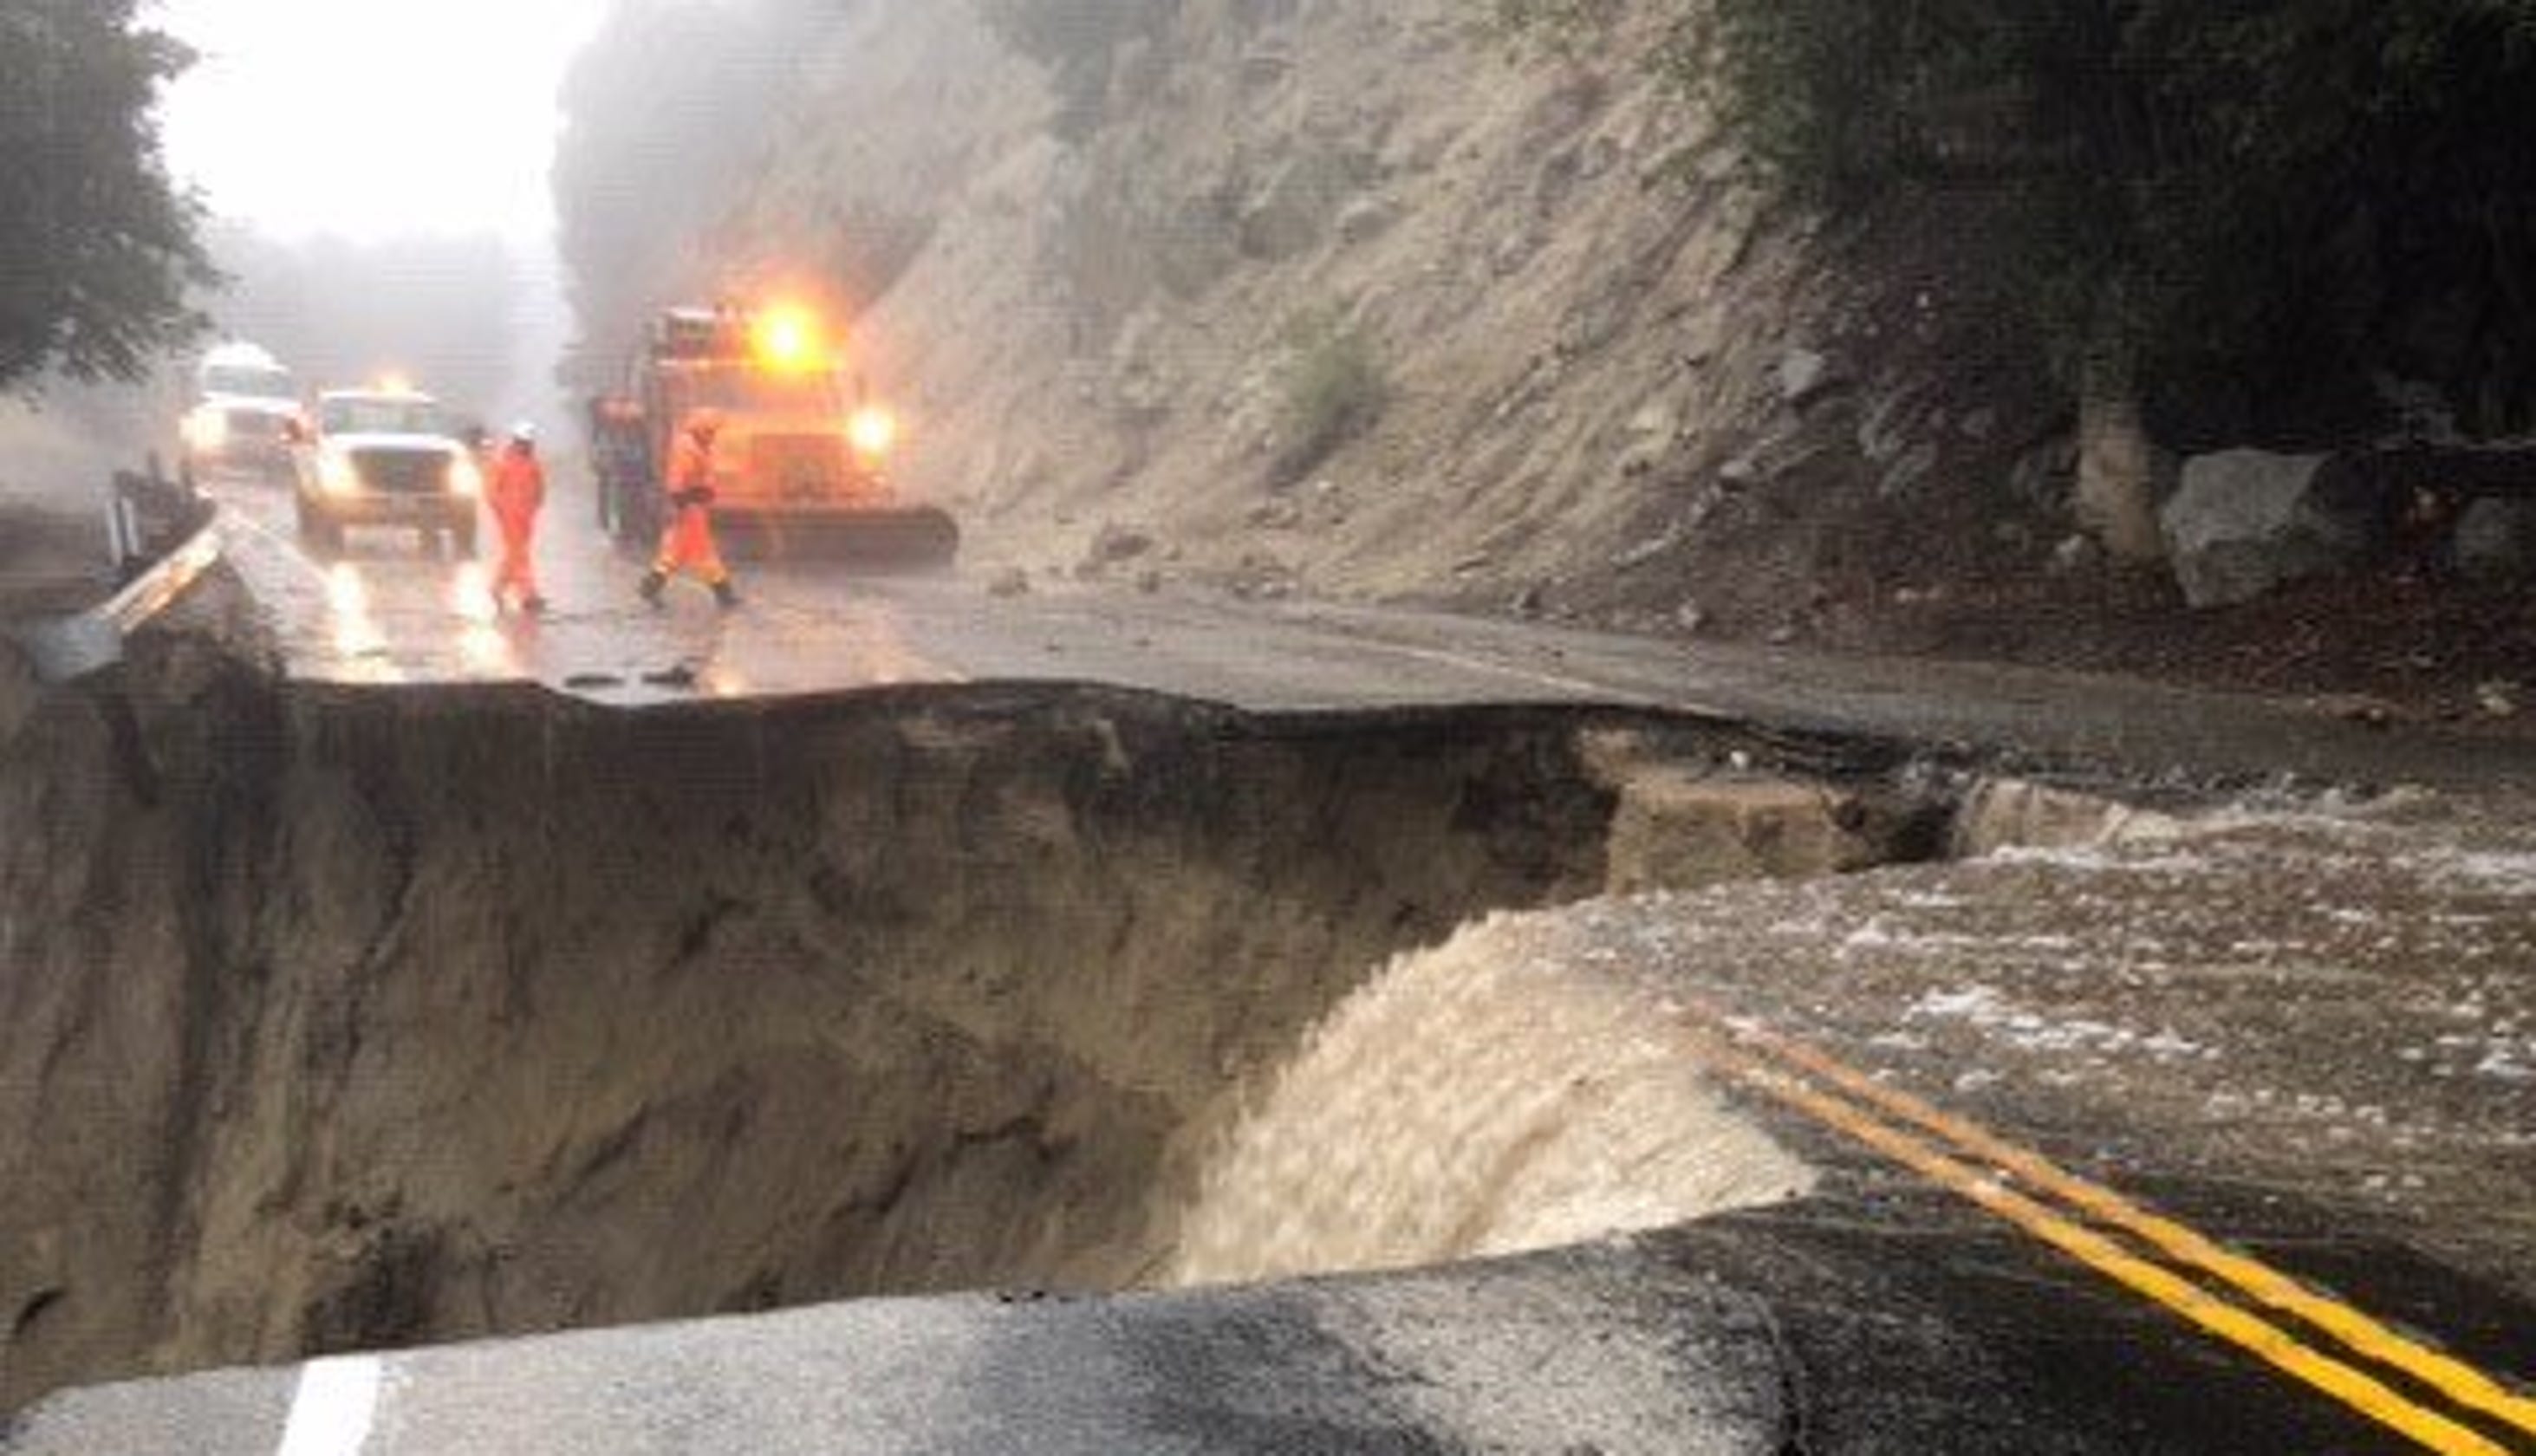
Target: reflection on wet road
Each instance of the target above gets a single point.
(383, 610)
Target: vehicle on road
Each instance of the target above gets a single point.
(386, 457)
(244, 408)
(801, 468)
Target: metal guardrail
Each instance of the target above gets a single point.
(64, 647)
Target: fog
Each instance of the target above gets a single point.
(383, 186)
(373, 118)
(448, 314)
(666, 114)
(380, 176)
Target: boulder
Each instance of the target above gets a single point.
(1367, 218)
(1656, 420)
(1116, 543)
(2249, 521)
(2496, 542)
(1805, 376)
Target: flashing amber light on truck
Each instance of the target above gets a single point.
(786, 340)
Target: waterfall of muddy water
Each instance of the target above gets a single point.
(1497, 1095)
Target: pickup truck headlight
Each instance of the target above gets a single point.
(337, 476)
(207, 431)
(466, 479)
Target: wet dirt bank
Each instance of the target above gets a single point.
(342, 1018)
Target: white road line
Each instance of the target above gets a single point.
(338, 1399)
(1576, 687)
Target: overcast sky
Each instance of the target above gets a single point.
(372, 117)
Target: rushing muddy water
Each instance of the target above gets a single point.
(1483, 1097)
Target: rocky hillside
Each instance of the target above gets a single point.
(1352, 297)
(1355, 297)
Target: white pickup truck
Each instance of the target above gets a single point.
(386, 458)
(245, 408)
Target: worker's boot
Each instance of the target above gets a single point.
(654, 584)
(726, 595)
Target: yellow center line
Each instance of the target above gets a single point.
(2458, 1381)
(2256, 1336)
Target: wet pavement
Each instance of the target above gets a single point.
(385, 612)
(2283, 1056)
(1804, 1329)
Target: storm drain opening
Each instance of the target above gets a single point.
(359, 1019)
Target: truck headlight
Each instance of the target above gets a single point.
(873, 433)
(206, 431)
(337, 476)
(466, 479)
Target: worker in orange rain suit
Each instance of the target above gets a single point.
(516, 489)
(688, 543)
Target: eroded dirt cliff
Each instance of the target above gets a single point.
(345, 1018)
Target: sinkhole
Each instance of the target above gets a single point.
(341, 1018)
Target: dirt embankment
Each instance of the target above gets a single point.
(348, 1019)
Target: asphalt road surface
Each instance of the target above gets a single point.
(384, 611)
(2225, 1144)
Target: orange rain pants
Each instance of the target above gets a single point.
(518, 489)
(688, 545)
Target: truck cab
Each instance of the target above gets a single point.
(386, 457)
(244, 408)
(800, 462)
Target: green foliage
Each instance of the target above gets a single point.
(97, 248)
(1330, 389)
(2265, 190)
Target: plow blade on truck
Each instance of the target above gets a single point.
(906, 537)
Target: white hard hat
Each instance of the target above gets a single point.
(525, 432)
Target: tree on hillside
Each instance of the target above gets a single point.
(97, 248)
(2216, 197)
